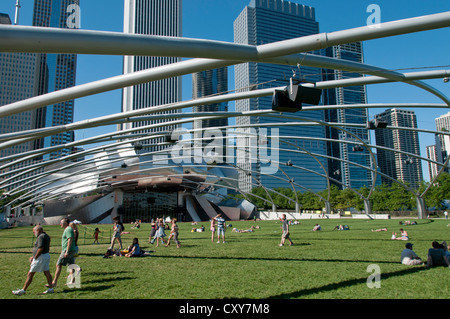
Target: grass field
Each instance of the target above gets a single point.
(328, 264)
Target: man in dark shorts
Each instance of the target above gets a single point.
(285, 228)
(40, 261)
(67, 256)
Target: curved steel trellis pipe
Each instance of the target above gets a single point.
(266, 51)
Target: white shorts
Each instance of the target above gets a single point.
(41, 264)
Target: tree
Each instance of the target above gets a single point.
(282, 201)
(258, 200)
(347, 199)
(439, 191)
(400, 198)
(311, 201)
(380, 198)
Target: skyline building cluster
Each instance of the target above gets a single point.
(309, 150)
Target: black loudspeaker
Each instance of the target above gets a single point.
(282, 103)
(372, 125)
(291, 99)
(168, 139)
(380, 124)
(304, 95)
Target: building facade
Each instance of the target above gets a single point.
(56, 71)
(151, 17)
(262, 22)
(208, 83)
(344, 171)
(443, 141)
(17, 82)
(395, 163)
(433, 168)
(17, 78)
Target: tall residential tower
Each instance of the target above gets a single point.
(399, 165)
(151, 17)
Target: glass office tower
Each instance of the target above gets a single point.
(56, 71)
(262, 22)
(348, 174)
(152, 17)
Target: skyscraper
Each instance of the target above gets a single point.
(17, 77)
(349, 175)
(268, 21)
(17, 82)
(443, 141)
(56, 71)
(433, 168)
(207, 83)
(394, 164)
(151, 17)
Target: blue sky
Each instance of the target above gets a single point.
(213, 19)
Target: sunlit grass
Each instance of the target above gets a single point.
(325, 264)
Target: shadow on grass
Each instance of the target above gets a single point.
(91, 285)
(103, 280)
(278, 259)
(343, 284)
(16, 252)
(88, 289)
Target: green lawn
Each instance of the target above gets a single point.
(328, 264)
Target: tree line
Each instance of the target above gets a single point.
(383, 197)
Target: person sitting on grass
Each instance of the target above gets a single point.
(409, 257)
(404, 235)
(134, 250)
(437, 256)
